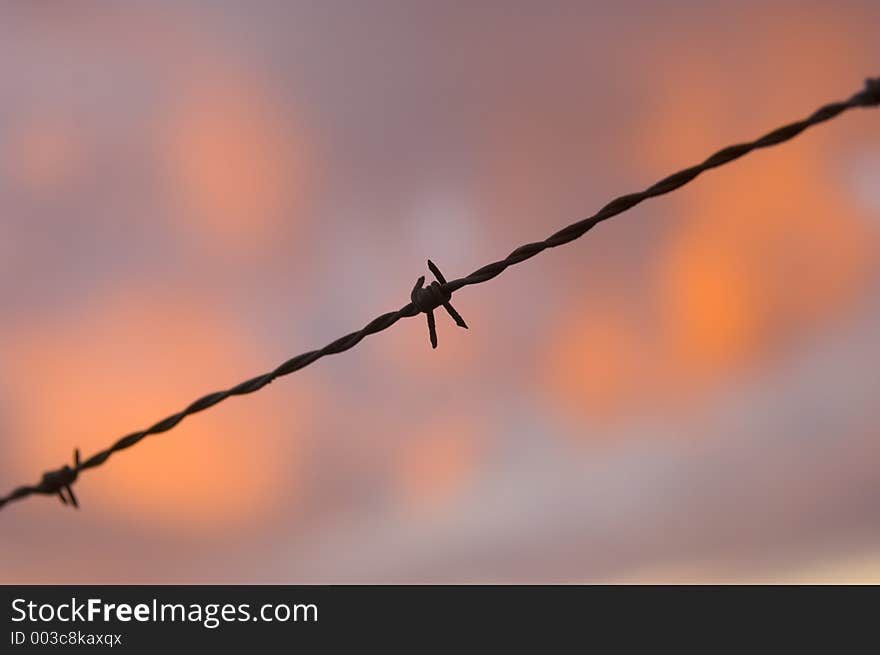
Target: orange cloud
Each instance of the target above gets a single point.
(129, 363)
(771, 247)
(234, 167)
(594, 365)
(760, 255)
(767, 253)
(709, 302)
(435, 466)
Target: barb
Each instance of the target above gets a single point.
(426, 299)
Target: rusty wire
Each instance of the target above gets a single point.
(439, 293)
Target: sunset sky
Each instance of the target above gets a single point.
(193, 192)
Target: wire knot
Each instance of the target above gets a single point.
(60, 480)
(872, 91)
(428, 298)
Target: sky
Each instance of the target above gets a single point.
(193, 192)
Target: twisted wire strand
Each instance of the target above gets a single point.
(869, 96)
(57, 481)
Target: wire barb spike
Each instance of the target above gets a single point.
(428, 298)
(872, 91)
(61, 480)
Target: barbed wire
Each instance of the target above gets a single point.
(439, 294)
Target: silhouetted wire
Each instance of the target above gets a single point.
(438, 293)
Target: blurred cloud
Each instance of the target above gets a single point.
(122, 363)
(45, 155)
(231, 163)
(596, 367)
(435, 465)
